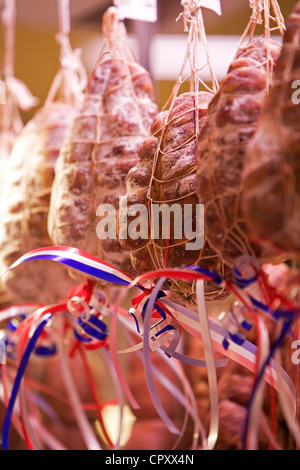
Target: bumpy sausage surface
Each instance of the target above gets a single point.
(165, 175)
(221, 151)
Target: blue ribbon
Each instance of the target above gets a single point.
(246, 325)
(237, 339)
(82, 339)
(277, 314)
(100, 332)
(12, 327)
(45, 351)
(157, 307)
(9, 345)
(164, 330)
(38, 351)
(136, 322)
(20, 373)
(93, 332)
(215, 277)
(242, 283)
(90, 270)
(260, 376)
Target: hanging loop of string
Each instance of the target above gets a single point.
(111, 27)
(261, 13)
(190, 8)
(17, 95)
(115, 36)
(9, 22)
(64, 17)
(194, 25)
(72, 76)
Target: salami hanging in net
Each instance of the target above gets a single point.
(165, 177)
(271, 179)
(28, 184)
(102, 147)
(221, 151)
(14, 96)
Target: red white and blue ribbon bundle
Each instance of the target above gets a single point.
(157, 322)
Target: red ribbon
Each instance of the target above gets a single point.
(137, 300)
(84, 291)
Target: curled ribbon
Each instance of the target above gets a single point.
(242, 352)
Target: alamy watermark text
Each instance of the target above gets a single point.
(156, 222)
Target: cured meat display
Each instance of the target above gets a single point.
(149, 251)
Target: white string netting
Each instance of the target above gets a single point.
(265, 13)
(193, 65)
